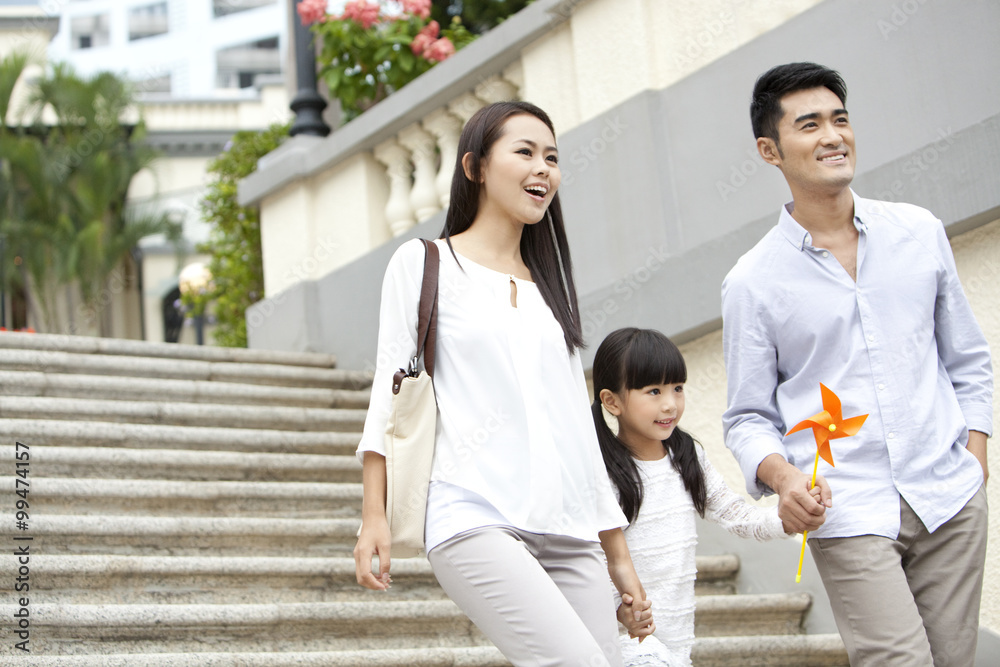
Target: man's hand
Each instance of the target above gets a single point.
(799, 508)
(977, 447)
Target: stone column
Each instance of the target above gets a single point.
(423, 195)
(398, 212)
(446, 127)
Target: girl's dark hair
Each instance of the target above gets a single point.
(632, 359)
(544, 248)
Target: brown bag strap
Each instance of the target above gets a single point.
(427, 318)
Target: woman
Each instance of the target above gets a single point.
(519, 505)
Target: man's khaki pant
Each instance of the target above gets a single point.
(912, 601)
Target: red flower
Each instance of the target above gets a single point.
(440, 50)
(311, 11)
(366, 14)
(425, 38)
(421, 8)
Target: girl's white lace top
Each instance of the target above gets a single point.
(516, 443)
(662, 542)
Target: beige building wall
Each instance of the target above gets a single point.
(583, 69)
(977, 254)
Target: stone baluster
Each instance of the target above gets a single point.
(446, 127)
(465, 106)
(423, 194)
(398, 212)
(496, 89)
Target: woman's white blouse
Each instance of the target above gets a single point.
(515, 438)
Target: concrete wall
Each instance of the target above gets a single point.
(663, 192)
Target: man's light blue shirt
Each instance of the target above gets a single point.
(900, 344)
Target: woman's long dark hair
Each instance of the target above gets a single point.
(543, 245)
(632, 359)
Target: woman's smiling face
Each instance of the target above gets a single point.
(521, 174)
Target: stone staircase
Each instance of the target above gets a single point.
(198, 506)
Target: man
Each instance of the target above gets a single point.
(864, 297)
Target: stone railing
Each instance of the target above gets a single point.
(419, 161)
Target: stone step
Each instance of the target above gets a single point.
(89, 497)
(122, 347)
(825, 650)
(182, 369)
(320, 626)
(79, 579)
(475, 656)
(178, 464)
(184, 536)
(717, 575)
(96, 628)
(763, 614)
(76, 579)
(182, 414)
(766, 651)
(31, 383)
(33, 432)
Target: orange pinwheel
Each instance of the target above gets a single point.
(826, 425)
(829, 424)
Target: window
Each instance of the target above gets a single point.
(88, 32)
(156, 84)
(239, 65)
(226, 7)
(147, 21)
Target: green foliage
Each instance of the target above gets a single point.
(234, 244)
(478, 15)
(64, 184)
(363, 64)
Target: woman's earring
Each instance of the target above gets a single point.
(610, 419)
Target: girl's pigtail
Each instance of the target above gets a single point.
(684, 457)
(621, 466)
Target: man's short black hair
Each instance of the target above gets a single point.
(765, 107)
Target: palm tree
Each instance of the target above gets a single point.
(69, 221)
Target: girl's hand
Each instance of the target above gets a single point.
(637, 617)
(373, 539)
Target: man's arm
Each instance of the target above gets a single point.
(752, 423)
(964, 351)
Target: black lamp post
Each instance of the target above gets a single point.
(307, 104)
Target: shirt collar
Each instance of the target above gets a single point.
(801, 239)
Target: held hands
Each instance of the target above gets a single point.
(816, 492)
(637, 617)
(373, 539)
(799, 507)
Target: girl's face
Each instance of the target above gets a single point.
(648, 416)
(520, 175)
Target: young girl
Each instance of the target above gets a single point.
(663, 479)
(519, 505)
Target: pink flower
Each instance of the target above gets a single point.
(425, 38)
(440, 50)
(311, 11)
(421, 8)
(364, 13)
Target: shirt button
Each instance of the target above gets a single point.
(826, 254)
(891, 436)
(871, 339)
(881, 386)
